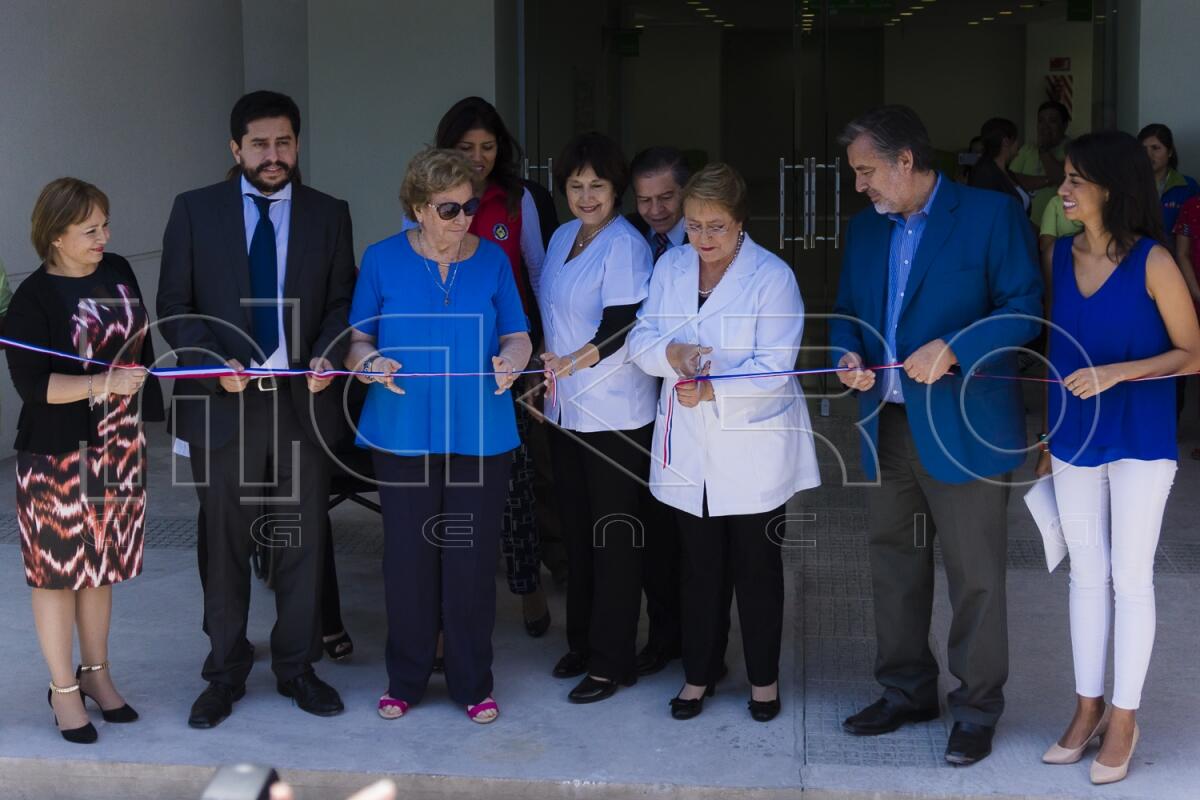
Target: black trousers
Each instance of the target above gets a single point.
(969, 519)
(600, 478)
(441, 529)
(722, 556)
(660, 576)
(289, 513)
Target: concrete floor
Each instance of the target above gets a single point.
(626, 747)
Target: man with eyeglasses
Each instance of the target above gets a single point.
(258, 271)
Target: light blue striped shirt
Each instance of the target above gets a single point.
(906, 238)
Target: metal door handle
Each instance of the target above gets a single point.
(783, 237)
(527, 168)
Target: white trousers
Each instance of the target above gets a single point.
(1111, 517)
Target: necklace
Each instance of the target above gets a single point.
(584, 242)
(736, 250)
(452, 268)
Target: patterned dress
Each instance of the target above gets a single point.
(82, 525)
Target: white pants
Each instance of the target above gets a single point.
(1111, 517)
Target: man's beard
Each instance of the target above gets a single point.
(255, 179)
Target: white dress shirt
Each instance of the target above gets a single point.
(613, 270)
(281, 214)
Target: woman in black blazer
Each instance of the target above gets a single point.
(81, 523)
(1001, 141)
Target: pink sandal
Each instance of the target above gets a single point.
(391, 708)
(476, 711)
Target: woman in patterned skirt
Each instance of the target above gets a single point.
(81, 501)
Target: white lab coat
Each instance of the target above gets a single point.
(751, 448)
(613, 270)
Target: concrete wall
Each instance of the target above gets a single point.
(1167, 93)
(132, 95)
(380, 76)
(1051, 39)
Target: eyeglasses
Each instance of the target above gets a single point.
(695, 229)
(449, 211)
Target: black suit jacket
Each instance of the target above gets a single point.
(202, 286)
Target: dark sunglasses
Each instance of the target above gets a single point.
(449, 211)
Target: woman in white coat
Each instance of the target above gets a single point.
(739, 448)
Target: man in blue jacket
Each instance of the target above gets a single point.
(944, 279)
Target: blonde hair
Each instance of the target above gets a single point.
(432, 171)
(63, 202)
(722, 185)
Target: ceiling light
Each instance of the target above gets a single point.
(906, 13)
(1005, 13)
(988, 19)
(702, 8)
(728, 24)
(1028, 5)
(638, 27)
(973, 22)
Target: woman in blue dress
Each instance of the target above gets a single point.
(438, 299)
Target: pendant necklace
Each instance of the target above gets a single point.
(452, 268)
(736, 250)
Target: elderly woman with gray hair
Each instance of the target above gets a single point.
(438, 299)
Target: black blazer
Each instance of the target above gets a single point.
(204, 279)
(986, 174)
(38, 315)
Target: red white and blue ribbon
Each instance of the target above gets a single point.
(835, 370)
(184, 373)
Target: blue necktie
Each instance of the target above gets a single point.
(661, 245)
(264, 279)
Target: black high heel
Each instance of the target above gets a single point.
(764, 710)
(123, 714)
(85, 734)
(687, 709)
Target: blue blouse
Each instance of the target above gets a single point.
(401, 301)
(1118, 322)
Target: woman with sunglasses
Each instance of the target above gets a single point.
(595, 276)
(438, 299)
(725, 306)
(508, 216)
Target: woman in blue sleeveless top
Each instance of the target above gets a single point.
(1121, 313)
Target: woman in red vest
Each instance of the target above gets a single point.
(508, 215)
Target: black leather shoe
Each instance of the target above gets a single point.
(884, 717)
(969, 743)
(652, 660)
(572, 665)
(590, 690)
(312, 694)
(764, 710)
(687, 709)
(215, 704)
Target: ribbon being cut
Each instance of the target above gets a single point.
(184, 373)
(834, 371)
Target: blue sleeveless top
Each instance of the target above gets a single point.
(1119, 322)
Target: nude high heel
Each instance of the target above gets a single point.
(1057, 754)
(1102, 774)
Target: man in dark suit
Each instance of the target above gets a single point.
(259, 271)
(658, 177)
(937, 275)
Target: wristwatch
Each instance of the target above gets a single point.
(368, 362)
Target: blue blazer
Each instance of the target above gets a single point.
(976, 285)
